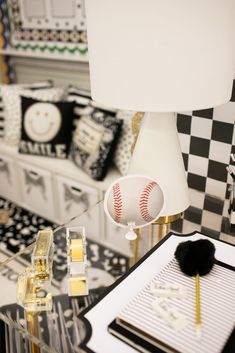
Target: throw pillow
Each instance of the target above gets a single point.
(82, 100)
(94, 141)
(12, 107)
(46, 127)
(122, 153)
(30, 86)
(84, 105)
(77, 95)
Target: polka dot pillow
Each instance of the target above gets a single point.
(122, 153)
(12, 107)
(29, 86)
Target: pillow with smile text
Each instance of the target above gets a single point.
(46, 127)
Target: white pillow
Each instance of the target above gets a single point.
(36, 85)
(11, 97)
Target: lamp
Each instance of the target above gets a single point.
(160, 57)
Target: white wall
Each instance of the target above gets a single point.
(61, 72)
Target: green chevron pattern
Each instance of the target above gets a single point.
(51, 49)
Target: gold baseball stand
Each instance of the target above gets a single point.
(157, 231)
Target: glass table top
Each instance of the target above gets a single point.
(59, 330)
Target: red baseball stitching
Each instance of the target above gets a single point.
(117, 202)
(143, 204)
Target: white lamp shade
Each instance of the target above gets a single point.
(161, 55)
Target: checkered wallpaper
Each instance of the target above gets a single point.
(207, 139)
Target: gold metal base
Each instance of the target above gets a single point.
(161, 227)
(168, 219)
(157, 231)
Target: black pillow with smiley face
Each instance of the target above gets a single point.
(46, 127)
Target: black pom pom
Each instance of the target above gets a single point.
(195, 257)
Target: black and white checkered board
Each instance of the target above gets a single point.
(211, 220)
(207, 139)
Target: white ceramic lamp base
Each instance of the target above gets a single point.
(157, 154)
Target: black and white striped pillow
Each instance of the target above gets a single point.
(82, 100)
(84, 104)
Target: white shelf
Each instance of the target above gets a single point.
(40, 55)
(63, 167)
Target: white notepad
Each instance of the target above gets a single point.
(217, 310)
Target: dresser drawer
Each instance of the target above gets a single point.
(74, 198)
(36, 189)
(9, 185)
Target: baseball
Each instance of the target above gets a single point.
(134, 199)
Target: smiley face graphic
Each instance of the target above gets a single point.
(42, 122)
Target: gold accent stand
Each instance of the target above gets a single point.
(161, 227)
(157, 230)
